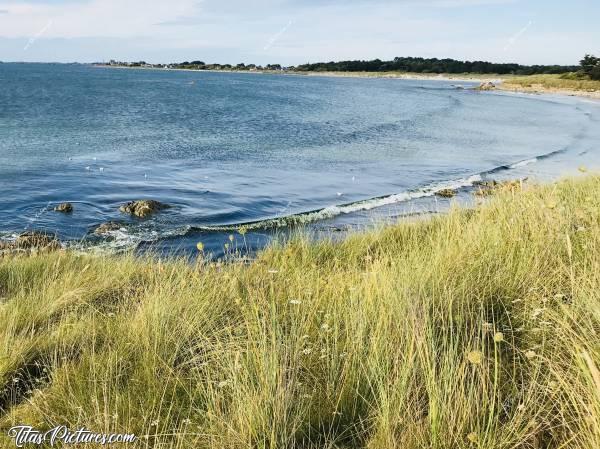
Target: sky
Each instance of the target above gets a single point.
(292, 32)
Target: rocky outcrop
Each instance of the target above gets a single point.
(486, 183)
(65, 208)
(486, 86)
(31, 240)
(143, 208)
(446, 193)
(488, 188)
(37, 239)
(108, 227)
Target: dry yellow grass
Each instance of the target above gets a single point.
(479, 329)
(556, 82)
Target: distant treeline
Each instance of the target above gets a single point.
(434, 65)
(588, 68)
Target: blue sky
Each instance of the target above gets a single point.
(295, 32)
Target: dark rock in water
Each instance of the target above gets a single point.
(486, 86)
(486, 183)
(143, 208)
(65, 208)
(36, 239)
(105, 228)
(487, 188)
(447, 193)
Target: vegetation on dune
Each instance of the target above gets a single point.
(433, 65)
(590, 66)
(479, 329)
(564, 82)
(585, 79)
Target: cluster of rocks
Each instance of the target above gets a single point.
(490, 187)
(486, 86)
(143, 208)
(31, 240)
(446, 193)
(139, 208)
(38, 240)
(485, 187)
(65, 208)
(108, 227)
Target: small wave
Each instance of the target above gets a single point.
(372, 203)
(124, 239)
(348, 208)
(130, 237)
(524, 163)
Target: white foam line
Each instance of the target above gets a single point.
(430, 190)
(524, 163)
(334, 211)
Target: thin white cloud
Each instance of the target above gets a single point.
(256, 31)
(95, 18)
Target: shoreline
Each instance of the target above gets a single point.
(538, 89)
(501, 82)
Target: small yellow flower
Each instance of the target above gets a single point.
(472, 437)
(499, 337)
(200, 246)
(231, 237)
(475, 357)
(226, 245)
(530, 354)
(243, 230)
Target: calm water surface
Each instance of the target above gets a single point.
(227, 149)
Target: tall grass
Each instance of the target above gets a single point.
(479, 329)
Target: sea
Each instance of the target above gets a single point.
(246, 158)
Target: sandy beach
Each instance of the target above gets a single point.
(501, 82)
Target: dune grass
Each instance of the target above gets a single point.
(558, 82)
(479, 329)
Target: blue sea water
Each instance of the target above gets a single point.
(226, 149)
